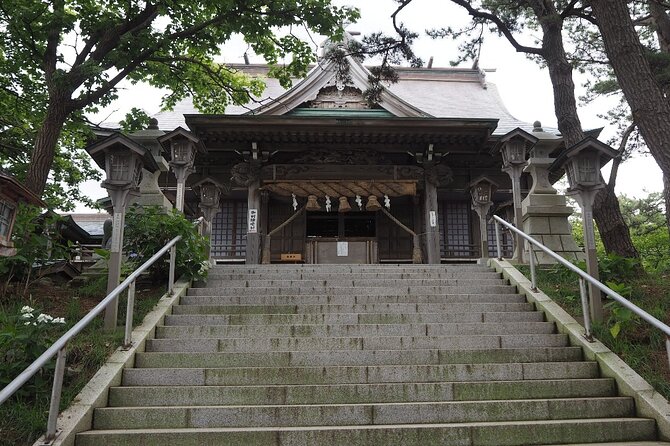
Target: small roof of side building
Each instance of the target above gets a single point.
(436, 92)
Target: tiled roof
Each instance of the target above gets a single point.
(440, 92)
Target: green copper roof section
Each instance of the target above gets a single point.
(341, 112)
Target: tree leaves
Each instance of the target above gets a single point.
(70, 57)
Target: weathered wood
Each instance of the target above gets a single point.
(432, 232)
(268, 237)
(341, 188)
(253, 239)
(276, 172)
(416, 242)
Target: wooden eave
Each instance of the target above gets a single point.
(234, 132)
(17, 192)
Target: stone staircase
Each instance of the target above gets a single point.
(362, 355)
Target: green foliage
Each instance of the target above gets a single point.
(614, 268)
(24, 335)
(62, 61)
(136, 119)
(36, 241)
(620, 318)
(149, 228)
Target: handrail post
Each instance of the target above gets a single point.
(56, 392)
(173, 261)
(531, 262)
(127, 341)
(585, 309)
(498, 245)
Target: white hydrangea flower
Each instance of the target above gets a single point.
(26, 315)
(27, 309)
(26, 323)
(58, 320)
(44, 318)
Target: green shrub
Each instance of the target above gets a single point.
(36, 241)
(149, 228)
(24, 336)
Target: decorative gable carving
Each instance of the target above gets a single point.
(338, 98)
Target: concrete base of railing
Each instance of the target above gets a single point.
(648, 402)
(79, 416)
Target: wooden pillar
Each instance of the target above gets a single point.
(431, 227)
(253, 223)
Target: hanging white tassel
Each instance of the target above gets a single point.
(359, 202)
(328, 205)
(387, 202)
(295, 203)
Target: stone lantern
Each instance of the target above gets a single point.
(123, 160)
(481, 192)
(582, 163)
(513, 148)
(210, 191)
(183, 147)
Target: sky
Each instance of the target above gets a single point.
(524, 86)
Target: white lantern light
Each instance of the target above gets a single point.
(582, 163)
(183, 152)
(482, 189)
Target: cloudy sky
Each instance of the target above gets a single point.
(523, 85)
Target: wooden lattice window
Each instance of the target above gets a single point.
(455, 230)
(229, 230)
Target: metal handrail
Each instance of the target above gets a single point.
(583, 278)
(58, 347)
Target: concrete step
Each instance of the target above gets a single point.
(357, 374)
(203, 339)
(361, 414)
(454, 434)
(389, 281)
(355, 275)
(357, 268)
(359, 393)
(214, 326)
(302, 304)
(355, 357)
(360, 318)
(329, 290)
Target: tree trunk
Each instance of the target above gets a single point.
(650, 108)
(45, 144)
(613, 230)
(560, 73)
(666, 198)
(606, 211)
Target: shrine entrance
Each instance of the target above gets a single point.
(334, 237)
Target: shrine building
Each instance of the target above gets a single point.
(317, 174)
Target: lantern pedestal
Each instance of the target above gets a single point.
(208, 212)
(482, 210)
(514, 171)
(120, 199)
(585, 199)
(545, 218)
(150, 193)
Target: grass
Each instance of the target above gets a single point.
(23, 418)
(640, 345)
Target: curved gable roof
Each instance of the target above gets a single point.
(324, 75)
(427, 92)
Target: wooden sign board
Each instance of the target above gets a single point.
(288, 257)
